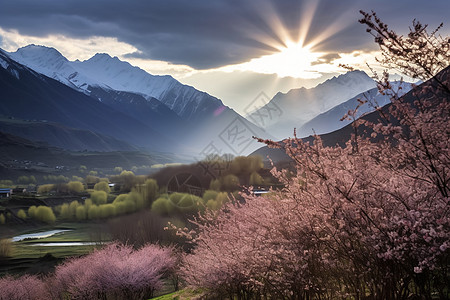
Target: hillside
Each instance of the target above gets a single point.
(20, 156)
(32, 96)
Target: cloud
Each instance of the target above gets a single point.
(71, 48)
(209, 34)
(326, 59)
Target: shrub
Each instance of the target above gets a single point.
(115, 272)
(93, 212)
(32, 211)
(209, 194)
(81, 213)
(163, 206)
(64, 212)
(75, 186)
(26, 180)
(73, 208)
(6, 183)
(106, 211)
(99, 197)
(102, 186)
(215, 185)
(45, 188)
(230, 182)
(5, 248)
(22, 214)
(25, 287)
(256, 179)
(44, 214)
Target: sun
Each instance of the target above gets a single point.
(291, 60)
(297, 51)
(294, 60)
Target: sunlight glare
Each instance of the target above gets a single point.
(293, 60)
(294, 52)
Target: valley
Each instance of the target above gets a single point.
(120, 181)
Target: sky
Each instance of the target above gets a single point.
(232, 49)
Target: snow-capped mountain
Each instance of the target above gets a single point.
(35, 98)
(417, 93)
(298, 106)
(185, 114)
(50, 62)
(105, 71)
(331, 120)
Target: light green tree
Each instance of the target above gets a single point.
(22, 214)
(32, 211)
(102, 186)
(230, 182)
(45, 188)
(93, 212)
(82, 169)
(256, 179)
(209, 195)
(222, 198)
(44, 214)
(75, 186)
(213, 204)
(106, 211)
(163, 206)
(73, 208)
(64, 212)
(99, 197)
(81, 213)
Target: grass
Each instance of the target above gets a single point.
(27, 251)
(26, 258)
(185, 294)
(80, 232)
(167, 297)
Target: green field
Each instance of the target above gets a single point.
(40, 259)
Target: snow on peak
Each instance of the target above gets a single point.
(122, 76)
(110, 72)
(50, 62)
(350, 79)
(39, 56)
(3, 63)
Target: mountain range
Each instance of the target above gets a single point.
(29, 95)
(105, 104)
(331, 120)
(298, 106)
(429, 91)
(154, 112)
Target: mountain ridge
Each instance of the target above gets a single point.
(111, 72)
(298, 106)
(203, 117)
(341, 136)
(29, 95)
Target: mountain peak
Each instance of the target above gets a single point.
(355, 75)
(102, 56)
(33, 51)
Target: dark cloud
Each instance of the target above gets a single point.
(206, 34)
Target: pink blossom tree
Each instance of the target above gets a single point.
(24, 287)
(116, 271)
(368, 219)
